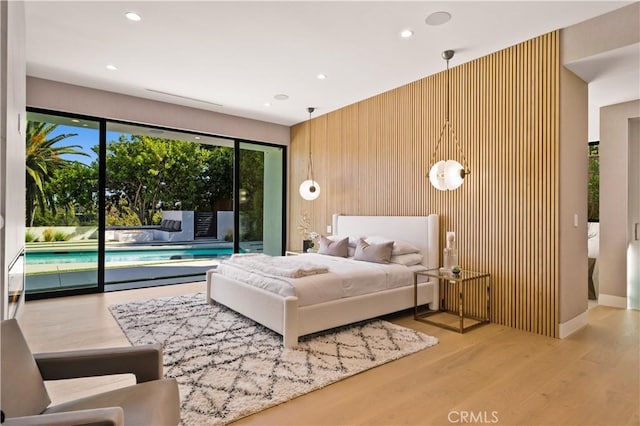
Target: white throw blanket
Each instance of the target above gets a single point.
(289, 266)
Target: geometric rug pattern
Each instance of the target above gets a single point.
(228, 366)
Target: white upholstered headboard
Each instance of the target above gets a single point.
(421, 231)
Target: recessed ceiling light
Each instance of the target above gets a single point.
(321, 76)
(438, 18)
(197, 138)
(75, 120)
(281, 97)
(112, 67)
(132, 16)
(406, 33)
(267, 104)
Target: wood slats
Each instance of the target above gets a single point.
(372, 158)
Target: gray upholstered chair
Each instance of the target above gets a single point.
(24, 399)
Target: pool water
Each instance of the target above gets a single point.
(114, 256)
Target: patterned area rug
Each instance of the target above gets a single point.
(228, 366)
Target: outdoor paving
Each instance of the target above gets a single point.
(157, 273)
(63, 276)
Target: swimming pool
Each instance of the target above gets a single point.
(116, 256)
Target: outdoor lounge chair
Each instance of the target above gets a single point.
(24, 399)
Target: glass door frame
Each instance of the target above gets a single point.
(102, 174)
(102, 131)
(237, 146)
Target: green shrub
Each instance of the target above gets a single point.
(156, 218)
(30, 237)
(60, 236)
(48, 235)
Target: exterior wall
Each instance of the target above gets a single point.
(82, 100)
(372, 158)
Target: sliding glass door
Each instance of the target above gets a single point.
(168, 205)
(260, 198)
(114, 205)
(62, 215)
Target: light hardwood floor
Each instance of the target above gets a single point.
(493, 374)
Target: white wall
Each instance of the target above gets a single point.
(12, 133)
(573, 259)
(69, 98)
(633, 251)
(602, 40)
(581, 44)
(615, 226)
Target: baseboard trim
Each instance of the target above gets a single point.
(574, 324)
(612, 301)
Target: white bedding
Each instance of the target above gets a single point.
(346, 278)
(280, 266)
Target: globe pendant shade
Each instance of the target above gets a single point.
(309, 190)
(446, 175)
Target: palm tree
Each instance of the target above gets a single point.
(42, 161)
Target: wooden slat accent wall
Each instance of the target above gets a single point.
(372, 158)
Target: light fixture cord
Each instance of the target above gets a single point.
(448, 95)
(310, 159)
(446, 124)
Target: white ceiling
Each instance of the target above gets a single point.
(233, 57)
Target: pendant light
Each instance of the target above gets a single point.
(309, 189)
(448, 174)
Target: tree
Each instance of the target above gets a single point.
(215, 185)
(43, 159)
(252, 197)
(75, 188)
(148, 174)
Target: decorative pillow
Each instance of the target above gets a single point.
(408, 259)
(352, 239)
(378, 253)
(177, 225)
(399, 247)
(338, 248)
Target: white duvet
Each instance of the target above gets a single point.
(345, 278)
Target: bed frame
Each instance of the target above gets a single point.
(284, 316)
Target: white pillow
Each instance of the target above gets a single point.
(408, 259)
(399, 246)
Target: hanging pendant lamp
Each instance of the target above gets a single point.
(309, 189)
(447, 174)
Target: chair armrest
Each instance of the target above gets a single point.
(144, 361)
(110, 416)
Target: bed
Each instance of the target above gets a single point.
(285, 315)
